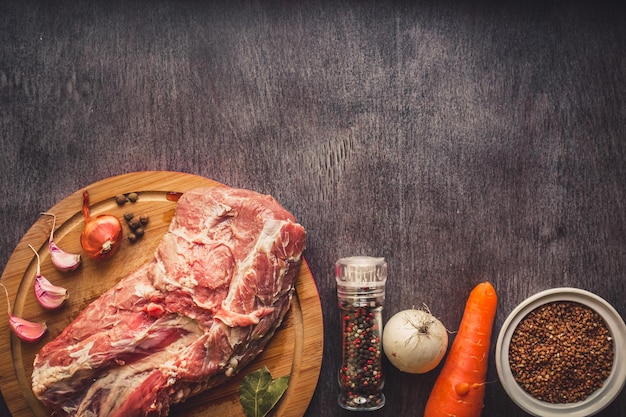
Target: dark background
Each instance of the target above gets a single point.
(462, 141)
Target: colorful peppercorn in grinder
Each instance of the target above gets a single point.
(361, 295)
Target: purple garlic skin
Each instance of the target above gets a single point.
(48, 295)
(63, 261)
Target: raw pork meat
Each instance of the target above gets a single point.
(205, 305)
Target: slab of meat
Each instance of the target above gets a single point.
(205, 305)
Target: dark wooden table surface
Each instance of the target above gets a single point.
(461, 141)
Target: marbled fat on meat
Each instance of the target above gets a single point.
(218, 286)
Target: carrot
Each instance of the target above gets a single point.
(459, 390)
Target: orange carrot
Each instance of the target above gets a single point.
(459, 390)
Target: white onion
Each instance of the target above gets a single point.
(415, 341)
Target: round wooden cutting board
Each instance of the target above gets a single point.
(295, 349)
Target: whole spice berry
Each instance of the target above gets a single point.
(132, 197)
(561, 352)
(120, 199)
(134, 223)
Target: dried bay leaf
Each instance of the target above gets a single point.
(259, 393)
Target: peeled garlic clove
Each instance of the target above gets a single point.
(27, 330)
(62, 260)
(50, 296)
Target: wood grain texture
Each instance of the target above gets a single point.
(295, 350)
(462, 141)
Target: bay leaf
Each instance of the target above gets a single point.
(259, 393)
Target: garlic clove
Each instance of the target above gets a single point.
(50, 296)
(27, 330)
(62, 260)
(24, 329)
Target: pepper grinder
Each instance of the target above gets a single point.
(361, 295)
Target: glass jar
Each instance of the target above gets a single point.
(361, 295)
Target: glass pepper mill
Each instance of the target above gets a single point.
(361, 294)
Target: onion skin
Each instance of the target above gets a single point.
(102, 234)
(101, 237)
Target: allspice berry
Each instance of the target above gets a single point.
(120, 199)
(134, 223)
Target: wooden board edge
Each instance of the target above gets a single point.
(309, 354)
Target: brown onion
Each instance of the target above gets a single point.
(102, 234)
